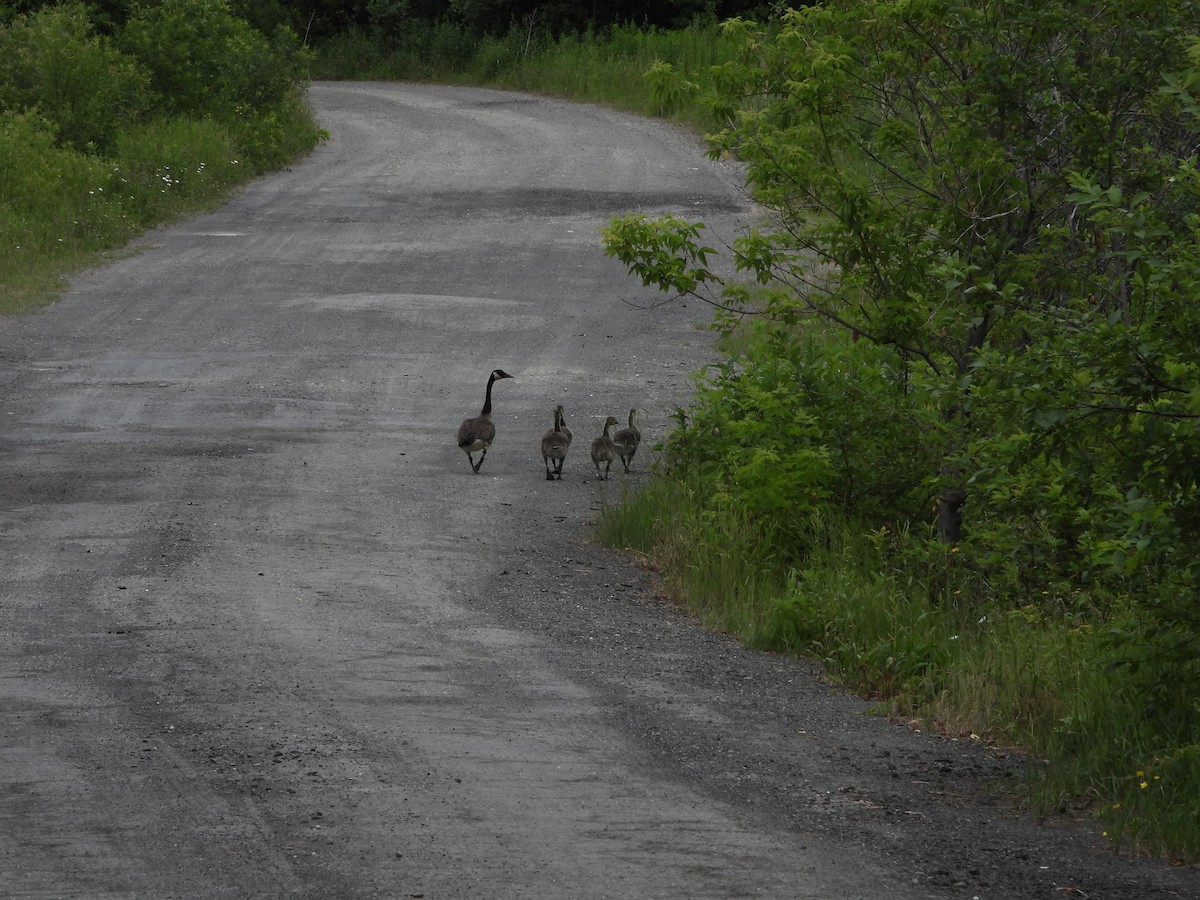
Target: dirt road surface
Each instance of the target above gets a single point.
(266, 635)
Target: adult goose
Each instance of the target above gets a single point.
(604, 450)
(555, 444)
(627, 440)
(477, 434)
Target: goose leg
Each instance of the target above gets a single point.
(475, 465)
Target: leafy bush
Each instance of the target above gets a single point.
(798, 421)
(203, 60)
(354, 54)
(86, 88)
(206, 62)
(54, 198)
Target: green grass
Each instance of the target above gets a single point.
(101, 138)
(900, 632)
(718, 569)
(63, 209)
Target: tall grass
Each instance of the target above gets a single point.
(64, 208)
(886, 619)
(611, 68)
(719, 568)
(423, 52)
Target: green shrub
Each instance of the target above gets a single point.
(55, 199)
(207, 63)
(353, 54)
(87, 89)
(87, 154)
(797, 421)
(204, 61)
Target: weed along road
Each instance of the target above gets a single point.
(265, 633)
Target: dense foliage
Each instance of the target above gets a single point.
(979, 289)
(495, 17)
(316, 23)
(112, 118)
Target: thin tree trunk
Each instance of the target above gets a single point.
(952, 496)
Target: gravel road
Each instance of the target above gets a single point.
(266, 635)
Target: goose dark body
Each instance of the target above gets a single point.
(555, 444)
(604, 450)
(476, 434)
(627, 440)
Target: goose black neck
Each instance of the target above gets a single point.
(487, 398)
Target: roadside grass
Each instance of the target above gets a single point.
(616, 68)
(423, 52)
(65, 210)
(104, 132)
(35, 285)
(716, 569)
(905, 636)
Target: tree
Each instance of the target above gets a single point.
(926, 163)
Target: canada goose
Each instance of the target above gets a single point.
(604, 450)
(555, 444)
(627, 440)
(479, 432)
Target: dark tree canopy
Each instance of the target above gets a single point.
(315, 20)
